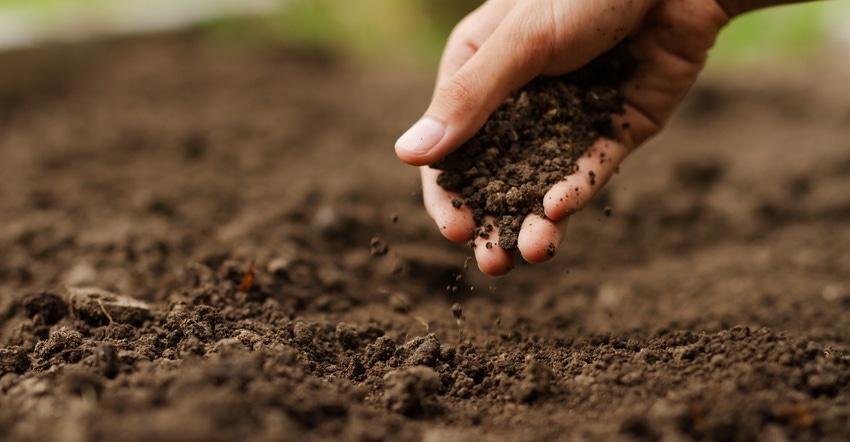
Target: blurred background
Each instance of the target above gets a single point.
(412, 31)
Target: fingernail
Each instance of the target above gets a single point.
(422, 137)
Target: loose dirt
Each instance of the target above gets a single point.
(140, 179)
(531, 142)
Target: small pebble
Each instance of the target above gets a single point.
(379, 247)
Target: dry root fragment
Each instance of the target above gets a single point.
(248, 280)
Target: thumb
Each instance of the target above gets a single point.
(463, 101)
(535, 37)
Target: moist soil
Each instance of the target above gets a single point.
(531, 141)
(206, 241)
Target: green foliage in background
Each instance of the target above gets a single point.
(417, 29)
(779, 32)
(420, 28)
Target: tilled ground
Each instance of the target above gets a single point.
(139, 180)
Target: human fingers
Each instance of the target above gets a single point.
(595, 168)
(469, 34)
(456, 224)
(492, 259)
(540, 237)
(535, 37)
(670, 52)
(462, 101)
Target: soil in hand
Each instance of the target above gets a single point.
(532, 141)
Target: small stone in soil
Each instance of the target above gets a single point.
(379, 247)
(426, 350)
(98, 307)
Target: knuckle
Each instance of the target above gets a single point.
(458, 93)
(533, 37)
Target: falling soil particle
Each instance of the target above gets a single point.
(532, 141)
(457, 312)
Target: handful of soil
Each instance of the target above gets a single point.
(532, 141)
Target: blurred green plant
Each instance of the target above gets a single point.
(417, 29)
(420, 28)
(780, 32)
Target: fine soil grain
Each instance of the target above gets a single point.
(531, 141)
(206, 242)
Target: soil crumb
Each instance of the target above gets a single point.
(532, 141)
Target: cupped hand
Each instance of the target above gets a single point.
(504, 44)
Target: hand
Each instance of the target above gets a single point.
(504, 44)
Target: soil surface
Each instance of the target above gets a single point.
(531, 142)
(206, 242)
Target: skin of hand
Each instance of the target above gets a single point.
(504, 44)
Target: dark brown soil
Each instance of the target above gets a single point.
(532, 141)
(140, 179)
